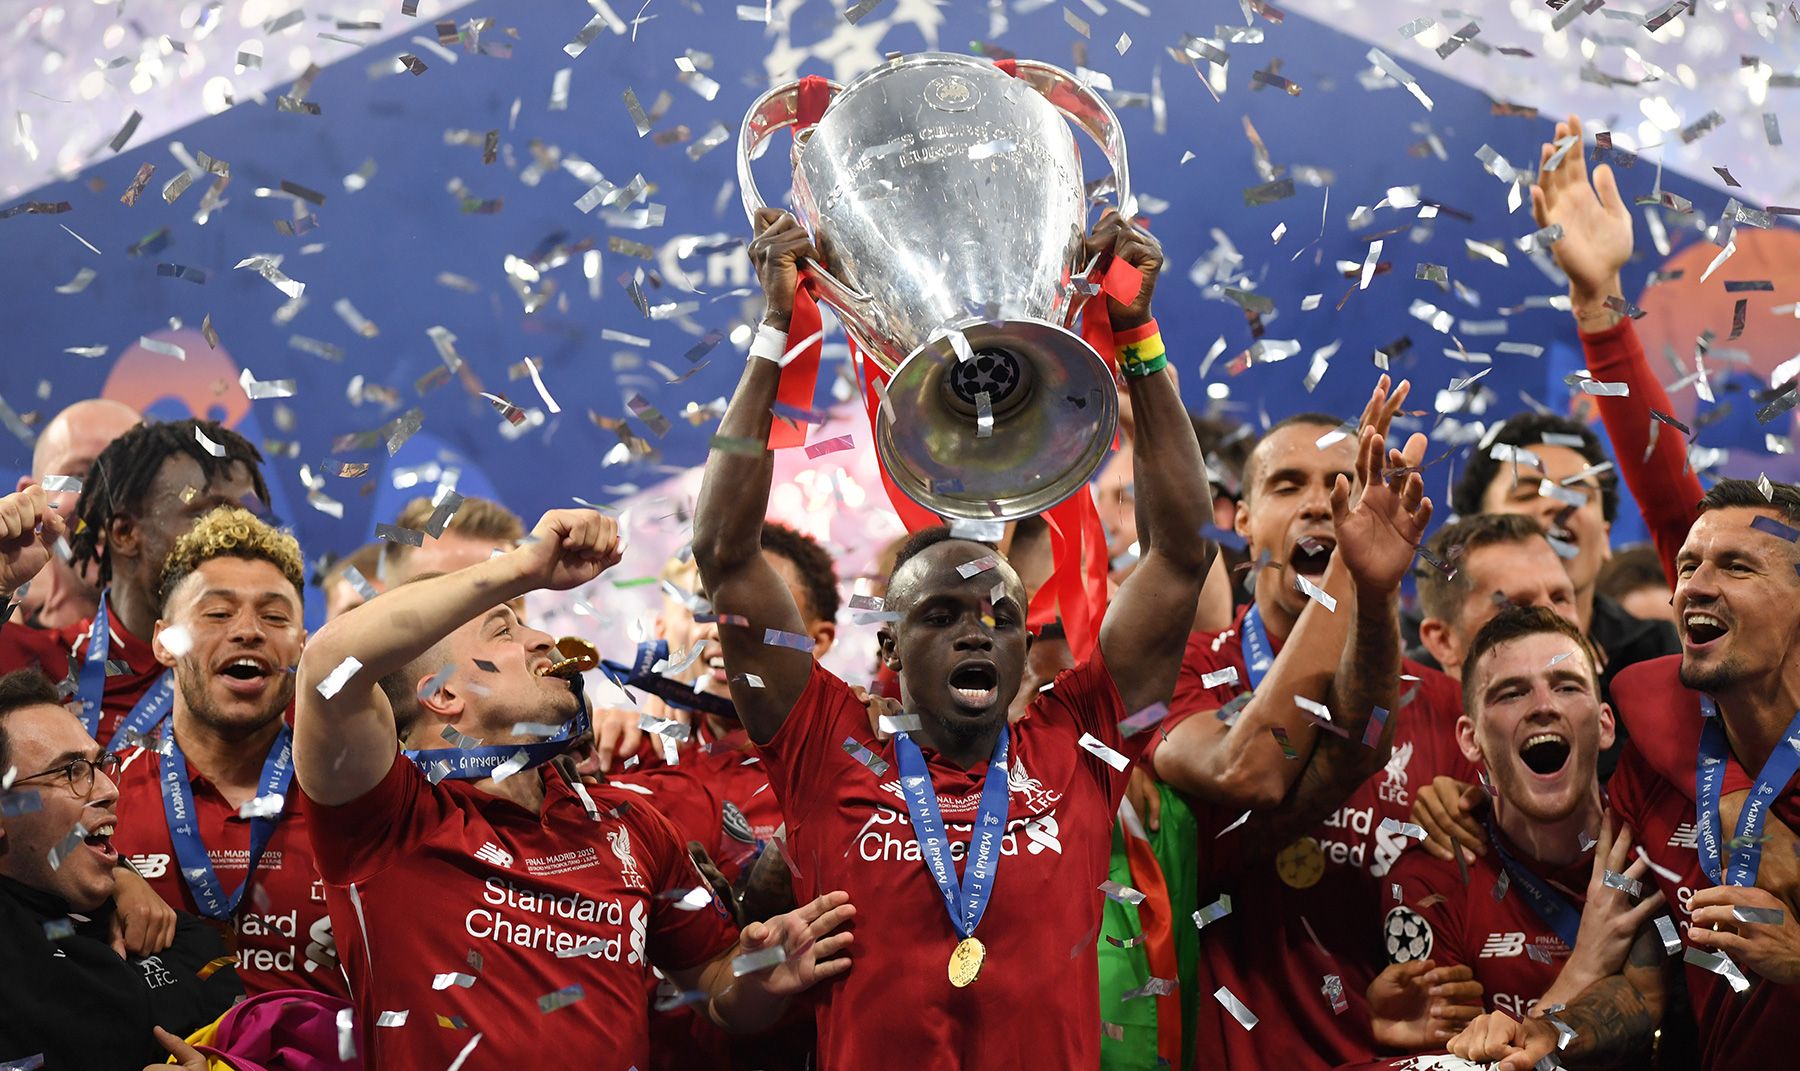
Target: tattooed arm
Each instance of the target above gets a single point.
(1614, 1020)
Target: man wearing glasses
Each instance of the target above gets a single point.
(69, 994)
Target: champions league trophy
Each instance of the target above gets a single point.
(946, 199)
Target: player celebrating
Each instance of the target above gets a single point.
(206, 813)
(565, 896)
(961, 973)
(1535, 725)
(1738, 604)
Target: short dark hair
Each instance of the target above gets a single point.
(124, 471)
(1630, 569)
(1441, 596)
(817, 575)
(1745, 494)
(1528, 430)
(1517, 622)
(1317, 420)
(20, 689)
(476, 518)
(924, 539)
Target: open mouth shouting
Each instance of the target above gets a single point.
(1311, 554)
(1701, 630)
(975, 685)
(246, 674)
(100, 841)
(1545, 753)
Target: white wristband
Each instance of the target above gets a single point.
(770, 343)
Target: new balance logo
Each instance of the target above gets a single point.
(1503, 945)
(489, 852)
(1685, 836)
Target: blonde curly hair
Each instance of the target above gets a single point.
(230, 532)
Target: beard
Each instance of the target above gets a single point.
(200, 703)
(1727, 674)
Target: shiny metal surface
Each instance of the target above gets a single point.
(946, 198)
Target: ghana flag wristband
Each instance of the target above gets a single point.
(1141, 351)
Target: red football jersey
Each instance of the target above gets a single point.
(1036, 1002)
(281, 930)
(461, 913)
(1514, 954)
(1297, 946)
(62, 652)
(717, 793)
(1735, 1031)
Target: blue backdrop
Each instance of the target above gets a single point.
(430, 205)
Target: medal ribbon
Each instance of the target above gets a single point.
(641, 676)
(1548, 904)
(968, 902)
(184, 834)
(475, 763)
(1746, 847)
(1253, 638)
(150, 709)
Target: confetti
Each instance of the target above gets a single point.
(1155, 987)
(561, 998)
(1629, 886)
(1123, 894)
(391, 1018)
(1316, 593)
(1719, 964)
(260, 389)
(68, 844)
(979, 565)
(1245, 1017)
(897, 723)
(333, 682)
(1096, 747)
(15, 804)
(1671, 939)
(829, 446)
(799, 641)
(1213, 912)
(1404, 829)
(1143, 719)
(1759, 916)
(1775, 528)
(268, 806)
(876, 764)
(760, 960)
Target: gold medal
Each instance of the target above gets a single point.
(1301, 864)
(966, 961)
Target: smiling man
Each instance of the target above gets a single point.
(69, 998)
(1534, 724)
(145, 489)
(208, 814)
(1500, 560)
(922, 827)
(549, 901)
(1737, 597)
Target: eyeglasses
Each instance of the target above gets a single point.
(80, 772)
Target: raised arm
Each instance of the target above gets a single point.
(1239, 764)
(1143, 635)
(344, 744)
(734, 496)
(29, 528)
(1376, 538)
(1593, 250)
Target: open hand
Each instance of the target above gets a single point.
(776, 251)
(814, 952)
(1418, 1005)
(569, 548)
(1610, 922)
(1379, 535)
(29, 528)
(1135, 246)
(1518, 1045)
(1445, 810)
(1596, 221)
(1770, 950)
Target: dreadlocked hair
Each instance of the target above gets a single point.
(122, 475)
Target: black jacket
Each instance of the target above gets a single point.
(73, 999)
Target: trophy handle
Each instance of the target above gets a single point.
(774, 110)
(1091, 113)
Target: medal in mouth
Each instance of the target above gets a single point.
(575, 656)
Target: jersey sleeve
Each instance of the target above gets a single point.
(1087, 697)
(1427, 922)
(1192, 696)
(796, 756)
(679, 938)
(354, 841)
(1662, 483)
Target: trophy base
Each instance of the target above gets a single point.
(1048, 420)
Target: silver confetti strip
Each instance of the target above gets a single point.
(1123, 894)
(1759, 916)
(1671, 938)
(1316, 593)
(335, 680)
(1629, 886)
(1404, 829)
(392, 1018)
(1719, 964)
(73, 840)
(1099, 749)
(1244, 1016)
(562, 998)
(760, 960)
(1213, 912)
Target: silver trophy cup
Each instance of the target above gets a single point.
(946, 198)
